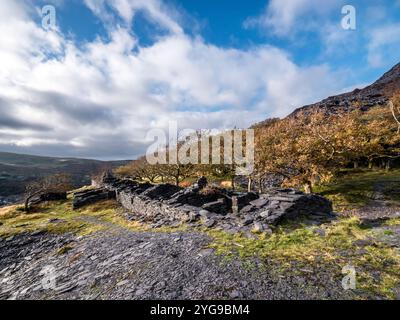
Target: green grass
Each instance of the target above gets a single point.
(90, 219)
(355, 189)
(303, 248)
(14, 221)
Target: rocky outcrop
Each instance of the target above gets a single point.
(282, 204)
(86, 197)
(50, 196)
(200, 205)
(377, 94)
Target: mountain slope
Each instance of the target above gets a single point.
(376, 94)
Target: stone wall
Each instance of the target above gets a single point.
(199, 205)
(46, 197)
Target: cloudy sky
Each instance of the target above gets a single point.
(111, 70)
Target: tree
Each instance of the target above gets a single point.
(178, 172)
(57, 183)
(140, 169)
(308, 148)
(381, 132)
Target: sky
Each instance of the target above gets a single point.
(108, 71)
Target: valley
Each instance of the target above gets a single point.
(17, 170)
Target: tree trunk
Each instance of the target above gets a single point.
(178, 173)
(308, 188)
(249, 185)
(26, 205)
(387, 165)
(27, 209)
(355, 164)
(233, 183)
(370, 164)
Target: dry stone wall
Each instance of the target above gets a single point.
(199, 205)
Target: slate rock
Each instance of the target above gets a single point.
(247, 221)
(259, 203)
(320, 232)
(210, 223)
(258, 227)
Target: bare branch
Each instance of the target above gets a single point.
(392, 109)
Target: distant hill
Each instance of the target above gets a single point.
(16, 170)
(377, 94)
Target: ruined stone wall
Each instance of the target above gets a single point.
(169, 205)
(149, 203)
(155, 210)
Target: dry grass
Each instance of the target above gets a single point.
(93, 218)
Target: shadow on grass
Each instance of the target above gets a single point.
(356, 189)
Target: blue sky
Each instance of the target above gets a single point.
(111, 70)
(223, 23)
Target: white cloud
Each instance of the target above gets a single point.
(99, 100)
(156, 11)
(383, 45)
(287, 17)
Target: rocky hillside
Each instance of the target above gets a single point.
(376, 94)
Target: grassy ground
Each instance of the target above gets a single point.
(302, 249)
(356, 189)
(101, 216)
(297, 248)
(13, 220)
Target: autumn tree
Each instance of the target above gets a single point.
(381, 132)
(140, 169)
(308, 148)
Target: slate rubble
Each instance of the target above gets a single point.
(134, 265)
